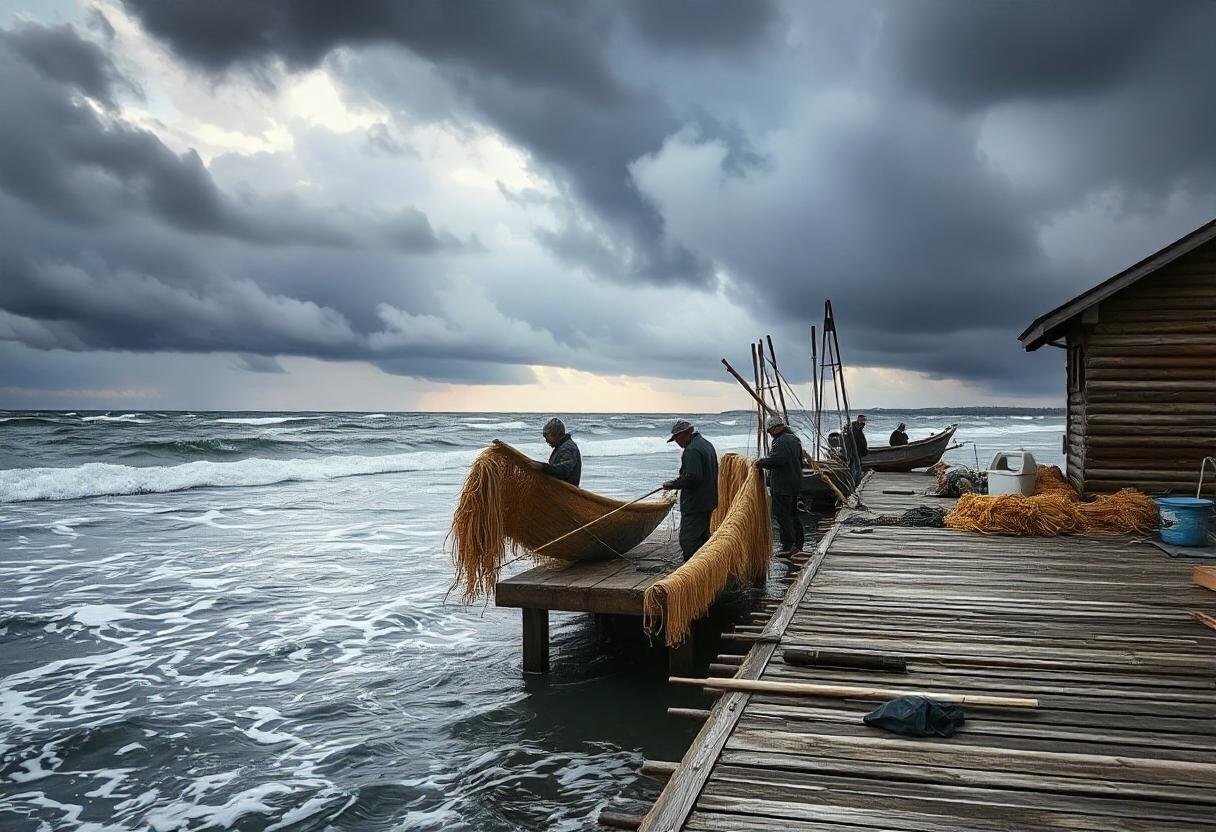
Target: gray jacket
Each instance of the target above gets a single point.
(784, 464)
(698, 480)
(565, 463)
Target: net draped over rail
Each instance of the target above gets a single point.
(1055, 509)
(506, 507)
(739, 548)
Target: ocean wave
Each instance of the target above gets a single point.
(260, 420)
(476, 425)
(219, 445)
(729, 422)
(375, 415)
(129, 418)
(98, 479)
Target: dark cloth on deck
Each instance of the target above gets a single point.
(784, 464)
(789, 524)
(566, 462)
(694, 531)
(898, 437)
(859, 439)
(698, 480)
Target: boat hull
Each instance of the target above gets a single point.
(919, 454)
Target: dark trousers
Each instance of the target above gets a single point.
(694, 531)
(789, 524)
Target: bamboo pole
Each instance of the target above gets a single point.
(851, 692)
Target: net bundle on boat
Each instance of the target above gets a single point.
(739, 548)
(1055, 509)
(505, 507)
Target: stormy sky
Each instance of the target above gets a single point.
(575, 206)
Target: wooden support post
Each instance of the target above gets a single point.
(536, 640)
(682, 655)
(619, 820)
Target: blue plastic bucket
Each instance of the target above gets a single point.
(1184, 520)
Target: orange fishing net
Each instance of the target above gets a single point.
(739, 548)
(1054, 510)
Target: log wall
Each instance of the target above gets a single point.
(1145, 413)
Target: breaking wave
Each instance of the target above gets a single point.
(260, 420)
(96, 479)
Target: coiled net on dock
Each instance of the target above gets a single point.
(506, 507)
(739, 548)
(1055, 509)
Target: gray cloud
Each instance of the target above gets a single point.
(921, 164)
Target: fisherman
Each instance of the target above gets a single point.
(697, 484)
(858, 430)
(565, 463)
(784, 464)
(899, 436)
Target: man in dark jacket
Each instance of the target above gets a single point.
(784, 465)
(899, 436)
(697, 484)
(859, 434)
(565, 463)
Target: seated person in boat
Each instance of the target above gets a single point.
(566, 462)
(697, 484)
(858, 430)
(899, 436)
(784, 465)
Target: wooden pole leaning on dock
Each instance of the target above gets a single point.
(851, 692)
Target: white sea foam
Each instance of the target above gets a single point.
(375, 415)
(495, 425)
(130, 418)
(729, 422)
(260, 420)
(96, 479)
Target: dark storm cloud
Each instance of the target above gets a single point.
(905, 159)
(539, 72)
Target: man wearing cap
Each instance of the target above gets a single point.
(697, 484)
(784, 465)
(565, 463)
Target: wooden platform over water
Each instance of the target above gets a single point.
(1097, 629)
(608, 587)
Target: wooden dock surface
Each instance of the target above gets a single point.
(1097, 629)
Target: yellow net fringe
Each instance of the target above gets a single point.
(506, 507)
(739, 548)
(1055, 509)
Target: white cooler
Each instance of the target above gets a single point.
(1012, 472)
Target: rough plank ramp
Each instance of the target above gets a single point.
(1098, 629)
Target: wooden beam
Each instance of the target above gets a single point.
(619, 820)
(1204, 576)
(536, 640)
(809, 657)
(853, 692)
(659, 769)
(691, 713)
(1204, 619)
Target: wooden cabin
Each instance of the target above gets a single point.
(1141, 357)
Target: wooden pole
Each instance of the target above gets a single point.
(815, 391)
(619, 820)
(772, 356)
(759, 401)
(765, 389)
(808, 657)
(742, 381)
(851, 692)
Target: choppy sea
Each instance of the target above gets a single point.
(238, 621)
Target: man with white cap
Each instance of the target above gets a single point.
(784, 464)
(566, 461)
(697, 484)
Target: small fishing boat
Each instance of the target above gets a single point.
(919, 454)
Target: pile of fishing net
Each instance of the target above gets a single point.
(960, 480)
(925, 517)
(1054, 510)
(506, 507)
(739, 548)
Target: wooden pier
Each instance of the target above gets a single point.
(1098, 630)
(608, 587)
